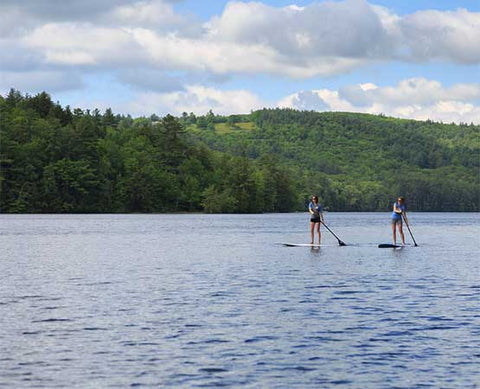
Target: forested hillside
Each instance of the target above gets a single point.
(359, 161)
(55, 159)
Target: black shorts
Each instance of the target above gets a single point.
(315, 220)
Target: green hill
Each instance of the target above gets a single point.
(53, 159)
(359, 161)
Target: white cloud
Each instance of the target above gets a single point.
(448, 35)
(197, 99)
(153, 14)
(457, 103)
(445, 104)
(423, 92)
(415, 98)
(305, 101)
(319, 39)
(83, 44)
(349, 29)
(300, 42)
(324, 38)
(219, 57)
(330, 32)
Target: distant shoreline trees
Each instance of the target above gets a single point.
(53, 159)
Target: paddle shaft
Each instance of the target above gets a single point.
(405, 220)
(339, 241)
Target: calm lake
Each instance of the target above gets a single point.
(188, 301)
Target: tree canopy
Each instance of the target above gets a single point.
(53, 159)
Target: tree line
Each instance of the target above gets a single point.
(55, 159)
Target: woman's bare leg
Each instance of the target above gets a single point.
(394, 232)
(400, 230)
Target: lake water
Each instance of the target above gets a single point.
(99, 301)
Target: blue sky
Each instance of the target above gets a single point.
(206, 8)
(412, 59)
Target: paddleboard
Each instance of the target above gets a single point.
(301, 245)
(389, 245)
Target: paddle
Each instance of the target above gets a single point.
(405, 220)
(339, 241)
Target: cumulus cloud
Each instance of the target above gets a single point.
(457, 103)
(220, 57)
(197, 99)
(147, 44)
(305, 101)
(152, 14)
(448, 35)
(353, 30)
(416, 91)
(83, 44)
(349, 29)
(415, 98)
(322, 38)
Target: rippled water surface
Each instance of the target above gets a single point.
(98, 301)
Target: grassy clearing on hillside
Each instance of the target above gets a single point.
(226, 128)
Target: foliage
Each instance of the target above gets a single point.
(56, 160)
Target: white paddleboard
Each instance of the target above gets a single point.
(301, 245)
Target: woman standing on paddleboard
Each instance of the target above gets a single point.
(399, 209)
(316, 216)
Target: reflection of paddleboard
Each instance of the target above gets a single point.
(388, 245)
(301, 245)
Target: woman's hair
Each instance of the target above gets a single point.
(315, 198)
(402, 199)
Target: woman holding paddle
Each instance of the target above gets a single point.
(316, 217)
(399, 210)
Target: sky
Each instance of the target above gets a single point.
(409, 59)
